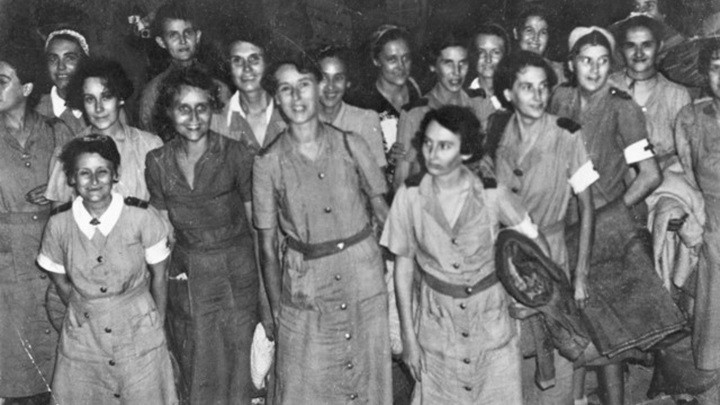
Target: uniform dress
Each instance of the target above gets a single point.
(112, 347)
(365, 123)
(661, 109)
(213, 291)
(544, 171)
(332, 342)
(27, 340)
(133, 146)
(698, 145)
(470, 344)
(232, 122)
(52, 105)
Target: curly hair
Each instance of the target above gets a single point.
(111, 74)
(170, 87)
(304, 63)
(509, 68)
(103, 145)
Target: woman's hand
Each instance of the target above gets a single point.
(37, 195)
(414, 358)
(581, 293)
(520, 311)
(397, 153)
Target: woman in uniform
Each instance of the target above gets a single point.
(542, 158)
(461, 345)
(314, 185)
(28, 141)
(99, 89)
(98, 250)
(201, 180)
(532, 33)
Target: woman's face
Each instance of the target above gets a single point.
(441, 150)
(530, 93)
(394, 62)
(334, 82)
(533, 35)
(101, 107)
(247, 63)
(451, 67)
(640, 50)
(714, 74)
(94, 177)
(491, 50)
(591, 67)
(63, 57)
(297, 94)
(12, 93)
(191, 112)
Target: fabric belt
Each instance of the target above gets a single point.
(313, 251)
(459, 291)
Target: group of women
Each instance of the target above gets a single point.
(356, 222)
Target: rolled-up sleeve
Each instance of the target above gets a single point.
(398, 235)
(153, 179)
(52, 256)
(154, 236)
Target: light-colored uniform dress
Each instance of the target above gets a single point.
(661, 109)
(52, 105)
(27, 340)
(470, 345)
(117, 352)
(332, 343)
(545, 171)
(133, 146)
(697, 136)
(365, 123)
(232, 122)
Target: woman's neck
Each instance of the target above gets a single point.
(329, 113)
(62, 93)
(528, 127)
(450, 181)
(254, 102)
(14, 119)
(97, 208)
(398, 96)
(486, 83)
(306, 132)
(116, 130)
(194, 149)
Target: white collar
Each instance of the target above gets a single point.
(475, 84)
(107, 220)
(234, 106)
(58, 104)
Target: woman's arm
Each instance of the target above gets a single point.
(271, 271)
(587, 230)
(63, 284)
(412, 352)
(648, 179)
(158, 286)
(266, 317)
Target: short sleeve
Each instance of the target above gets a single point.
(244, 161)
(153, 180)
(374, 137)
(581, 171)
(264, 202)
(373, 180)
(633, 132)
(58, 189)
(52, 255)
(398, 235)
(682, 142)
(154, 236)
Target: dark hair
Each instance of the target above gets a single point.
(446, 39)
(533, 10)
(593, 38)
(459, 120)
(27, 61)
(706, 55)
(509, 68)
(172, 10)
(489, 29)
(384, 34)
(103, 145)
(343, 54)
(170, 87)
(304, 64)
(639, 21)
(108, 71)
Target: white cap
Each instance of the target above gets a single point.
(580, 32)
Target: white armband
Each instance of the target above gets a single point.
(158, 252)
(583, 177)
(638, 152)
(49, 265)
(526, 227)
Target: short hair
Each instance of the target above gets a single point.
(170, 87)
(103, 145)
(384, 34)
(342, 53)
(172, 10)
(639, 21)
(708, 54)
(509, 68)
(533, 10)
(110, 72)
(27, 61)
(459, 120)
(490, 29)
(304, 63)
(446, 39)
(595, 37)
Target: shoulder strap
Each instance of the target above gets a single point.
(136, 202)
(61, 208)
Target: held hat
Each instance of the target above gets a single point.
(681, 62)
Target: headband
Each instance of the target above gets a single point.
(78, 36)
(384, 29)
(580, 32)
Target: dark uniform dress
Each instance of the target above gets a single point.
(27, 340)
(213, 290)
(333, 343)
(112, 348)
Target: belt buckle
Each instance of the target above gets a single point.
(341, 245)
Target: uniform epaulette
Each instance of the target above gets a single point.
(264, 150)
(476, 93)
(619, 93)
(61, 208)
(567, 123)
(421, 102)
(136, 202)
(701, 100)
(414, 180)
(488, 182)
